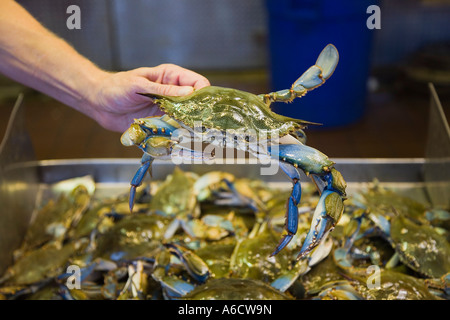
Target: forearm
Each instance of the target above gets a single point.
(32, 55)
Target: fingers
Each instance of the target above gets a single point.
(171, 80)
(171, 90)
(165, 89)
(170, 74)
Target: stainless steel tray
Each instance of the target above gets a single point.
(112, 178)
(116, 173)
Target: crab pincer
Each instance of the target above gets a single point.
(331, 186)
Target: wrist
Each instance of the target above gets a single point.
(90, 85)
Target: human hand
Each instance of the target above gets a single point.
(115, 102)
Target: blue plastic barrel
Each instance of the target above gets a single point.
(298, 31)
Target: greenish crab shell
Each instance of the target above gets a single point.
(228, 109)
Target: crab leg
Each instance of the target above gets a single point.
(237, 198)
(312, 78)
(291, 223)
(151, 135)
(146, 162)
(330, 206)
(155, 142)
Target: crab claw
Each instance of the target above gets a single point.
(326, 215)
(328, 211)
(329, 182)
(194, 265)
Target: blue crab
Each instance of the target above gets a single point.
(214, 270)
(402, 222)
(222, 117)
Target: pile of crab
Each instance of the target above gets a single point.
(212, 236)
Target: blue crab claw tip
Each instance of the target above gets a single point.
(132, 194)
(315, 235)
(283, 243)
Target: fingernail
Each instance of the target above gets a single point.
(185, 91)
